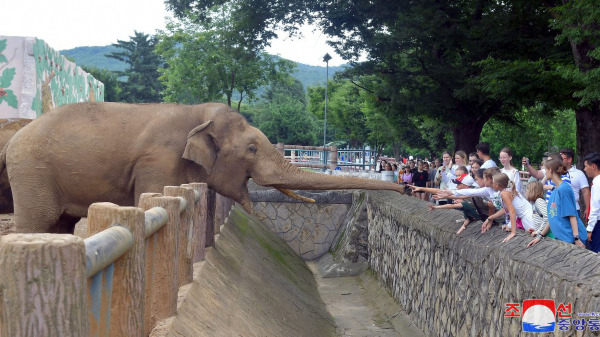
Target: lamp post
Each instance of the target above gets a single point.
(326, 59)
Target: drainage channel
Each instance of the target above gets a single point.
(361, 307)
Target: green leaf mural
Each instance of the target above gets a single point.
(3, 59)
(2, 45)
(11, 99)
(7, 77)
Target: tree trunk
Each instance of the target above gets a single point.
(588, 135)
(466, 136)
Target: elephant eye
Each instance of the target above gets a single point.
(252, 148)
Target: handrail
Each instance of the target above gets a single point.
(156, 217)
(106, 247)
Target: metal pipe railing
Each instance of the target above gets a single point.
(106, 247)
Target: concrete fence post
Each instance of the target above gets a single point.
(200, 220)
(333, 156)
(127, 301)
(280, 148)
(162, 285)
(185, 270)
(42, 287)
(210, 217)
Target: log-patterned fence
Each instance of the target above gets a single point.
(121, 279)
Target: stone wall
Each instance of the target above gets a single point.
(458, 285)
(309, 229)
(35, 78)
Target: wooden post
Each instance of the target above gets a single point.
(218, 212)
(164, 285)
(185, 269)
(42, 288)
(280, 148)
(333, 156)
(210, 217)
(200, 220)
(127, 303)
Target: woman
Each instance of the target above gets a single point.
(420, 179)
(505, 158)
(562, 212)
(460, 159)
(513, 204)
(475, 166)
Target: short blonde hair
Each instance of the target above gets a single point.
(534, 191)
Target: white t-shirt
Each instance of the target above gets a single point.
(578, 182)
(514, 176)
(594, 204)
(523, 210)
(487, 193)
(488, 164)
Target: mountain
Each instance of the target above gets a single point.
(96, 57)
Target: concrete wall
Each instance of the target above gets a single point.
(309, 229)
(458, 285)
(28, 87)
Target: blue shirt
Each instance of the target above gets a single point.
(561, 206)
(565, 177)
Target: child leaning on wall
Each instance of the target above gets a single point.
(562, 212)
(536, 195)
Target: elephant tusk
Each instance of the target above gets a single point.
(294, 195)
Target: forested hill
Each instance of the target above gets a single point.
(96, 57)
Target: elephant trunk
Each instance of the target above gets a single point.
(290, 177)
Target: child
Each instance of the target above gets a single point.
(469, 209)
(562, 213)
(513, 204)
(536, 195)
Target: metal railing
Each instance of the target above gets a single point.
(328, 157)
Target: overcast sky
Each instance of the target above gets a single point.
(66, 24)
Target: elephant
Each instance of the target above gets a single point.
(83, 153)
(8, 127)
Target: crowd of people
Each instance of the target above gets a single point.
(551, 201)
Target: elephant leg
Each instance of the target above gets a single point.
(37, 208)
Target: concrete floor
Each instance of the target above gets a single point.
(361, 307)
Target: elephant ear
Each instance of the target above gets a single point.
(201, 147)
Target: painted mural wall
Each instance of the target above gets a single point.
(35, 78)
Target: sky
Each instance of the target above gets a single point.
(66, 24)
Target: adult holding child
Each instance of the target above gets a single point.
(562, 213)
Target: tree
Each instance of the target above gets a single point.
(282, 116)
(142, 84)
(423, 53)
(208, 63)
(579, 22)
(112, 85)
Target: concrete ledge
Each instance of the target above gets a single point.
(251, 284)
(458, 285)
(328, 197)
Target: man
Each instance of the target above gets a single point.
(483, 152)
(592, 170)
(578, 180)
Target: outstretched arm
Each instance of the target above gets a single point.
(425, 189)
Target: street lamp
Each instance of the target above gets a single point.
(326, 59)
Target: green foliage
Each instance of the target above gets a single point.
(208, 63)
(282, 116)
(112, 85)
(142, 84)
(531, 134)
